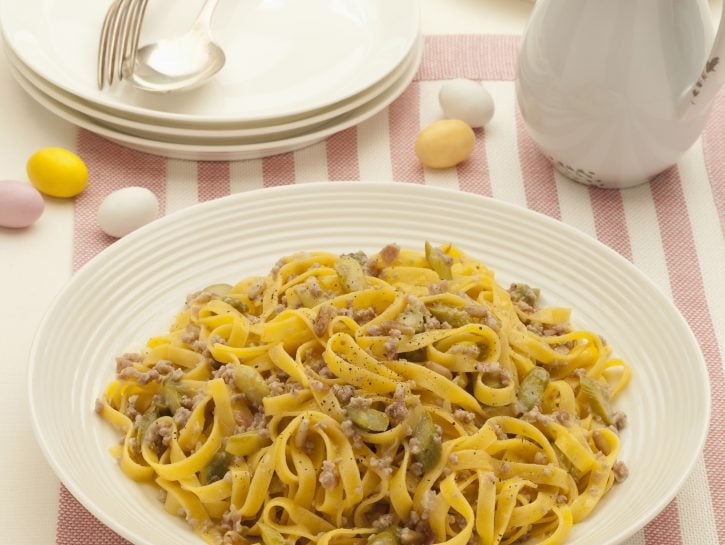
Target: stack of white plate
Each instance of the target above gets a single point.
(297, 71)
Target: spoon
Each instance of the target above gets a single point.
(180, 63)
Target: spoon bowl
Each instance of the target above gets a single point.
(178, 64)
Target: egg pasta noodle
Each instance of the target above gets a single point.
(401, 398)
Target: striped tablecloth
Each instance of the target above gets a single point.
(672, 228)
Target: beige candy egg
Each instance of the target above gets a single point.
(20, 204)
(126, 210)
(444, 143)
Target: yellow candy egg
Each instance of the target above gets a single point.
(57, 172)
(444, 143)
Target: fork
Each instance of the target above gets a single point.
(119, 40)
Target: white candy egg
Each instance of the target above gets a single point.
(466, 100)
(126, 210)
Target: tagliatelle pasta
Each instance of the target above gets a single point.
(401, 398)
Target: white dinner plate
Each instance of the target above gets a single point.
(284, 57)
(133, 289)
(155, 129)
(226, 149)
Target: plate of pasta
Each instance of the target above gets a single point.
(367, 363)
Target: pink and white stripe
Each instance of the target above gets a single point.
(675, 248)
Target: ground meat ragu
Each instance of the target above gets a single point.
(619, 421)
(523, 296)
(181, 417)
(468, 350)
(325, 372)
(464, 416)
(198, 298)
(226, 373)
(256, 289)
(390, 327)
(620, 471)
(434, 323)
(231, 521)
(495, 372)
(397, 410)
(319, 386)
(352, 433)
(363, 315)
(382, 465)
(599, 441)
(343, 392)
(427, 504)
(199, 346)
(131, 411)
(360, 402)
(564, 418)
(324, 316)
(484, 315)
(159, 436)
(143, 378)
(276, 386)
(548, 330)
(190, 402)
(540, 458)
(314, 287)
(421, 416)
(328, 475)
(390, 253)
(387, 255)
(274, 271)
(191, 334)
(383, 521)
(390, 347)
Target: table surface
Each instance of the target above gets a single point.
(35, 263)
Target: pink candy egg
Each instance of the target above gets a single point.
(20, 204)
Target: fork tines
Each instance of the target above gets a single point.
(119, 40)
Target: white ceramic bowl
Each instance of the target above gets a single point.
(133, 289)
(280, 58)
(275, 129)
(233, 148)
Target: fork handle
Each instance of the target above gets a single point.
(104, 43)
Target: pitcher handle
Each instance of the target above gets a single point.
(712, 78)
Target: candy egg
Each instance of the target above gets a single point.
(20, 204)
(126, 210)
(444, 143)
(466, 100)
(57, 172)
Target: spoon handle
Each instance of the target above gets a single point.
(203, 20)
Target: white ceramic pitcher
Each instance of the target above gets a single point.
(615, 91)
